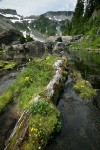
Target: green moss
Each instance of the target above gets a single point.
(83, 87)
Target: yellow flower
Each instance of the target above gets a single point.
(82, 86)
(27, 78)
(32, 129)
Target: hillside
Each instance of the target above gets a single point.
(50, 23)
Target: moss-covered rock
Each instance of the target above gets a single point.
(83, 87)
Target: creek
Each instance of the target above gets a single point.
(80, 123)
(11, 115)
(80, 119)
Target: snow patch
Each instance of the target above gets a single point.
(15, 20)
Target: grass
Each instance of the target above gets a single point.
(2, 64)
(43, 121)
(7, 65)
(43, 124)
(29, 83)
(83, 87)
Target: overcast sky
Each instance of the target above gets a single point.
(36, 7)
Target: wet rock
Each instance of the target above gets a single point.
(75, 38)
(48, 47)
(58, 47)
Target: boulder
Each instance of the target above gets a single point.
(77, 37)
(52, 38)
(8, 36)
(66, 38)
(58, 48)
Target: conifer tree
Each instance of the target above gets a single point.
(90, 7)
(77, 20)
(79, 10)
(97, 4)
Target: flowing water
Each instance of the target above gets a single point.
(6, 81)
(80, 123)
(11, 115)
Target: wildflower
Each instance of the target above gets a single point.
(82, 86)
(27, 78)
(39, 147)
(32, 129)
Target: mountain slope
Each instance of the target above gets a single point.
(59, 15)
(50, 23)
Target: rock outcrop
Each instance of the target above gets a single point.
(8, 11)
(8, 36)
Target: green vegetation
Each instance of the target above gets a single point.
(44, 122)
(2, 64)
(77, 20)
(21, 26)
(83, 87)
(47, 26)
(1, 49)
(29, 83)
(7, 65)
(84, 20)
(28, 38)
(41, 121)
(44, 25)
(24, 40)
(10, 65)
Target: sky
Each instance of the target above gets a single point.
(37, 7)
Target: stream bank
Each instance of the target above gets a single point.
(80, 120)
(80, 123)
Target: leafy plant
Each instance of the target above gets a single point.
(41, 107)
